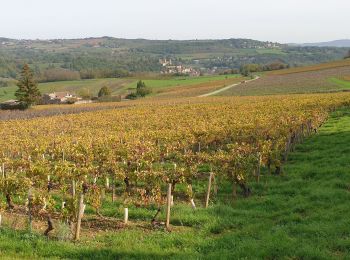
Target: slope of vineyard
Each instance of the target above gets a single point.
(299, 214)
(316, 67)
(297, 80)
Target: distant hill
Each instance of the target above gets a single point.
(108, 57)
(336, 43)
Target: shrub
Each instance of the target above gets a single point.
(132, 95)
(105, 91)
(14, 106)
(71, 100)
(142, 92)
(247, 69)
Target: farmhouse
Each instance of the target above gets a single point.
(57, 97)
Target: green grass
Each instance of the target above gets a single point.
(302, 214)
(342, 83)
(181, 81)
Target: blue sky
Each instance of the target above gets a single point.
(274, 20)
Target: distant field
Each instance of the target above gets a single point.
(271, 51)
(317, 67)
(181, 81)
(340, 82)
(328, 77)
(92, 85)
(196, 89)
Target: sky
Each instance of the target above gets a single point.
(284, 21)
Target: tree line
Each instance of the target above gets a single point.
(247, 69)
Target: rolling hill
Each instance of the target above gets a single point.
(112, 57)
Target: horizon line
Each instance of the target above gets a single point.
(150, 39)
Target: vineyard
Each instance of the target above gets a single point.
(312, 79)
(62, 169)
(316, 67)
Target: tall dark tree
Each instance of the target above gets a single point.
(140, 84)
(142, 90)
(27, 92)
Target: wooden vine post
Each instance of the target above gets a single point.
(168, 207)
(113, 189)
(107, 183)
(49, 219)
(73, 188)
(126, 216)
(209, 189)
(80, 215)
(30, 202)
(3, 170)
(258, 170)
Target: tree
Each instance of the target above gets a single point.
(140, 84)
(27, 92)
(85, 93)
(247, 69)
(142, 90)
(105, 92)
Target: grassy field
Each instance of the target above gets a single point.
(301, 214)
(181, 81)
(195, 89)
(340, 82)
(93, 85)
